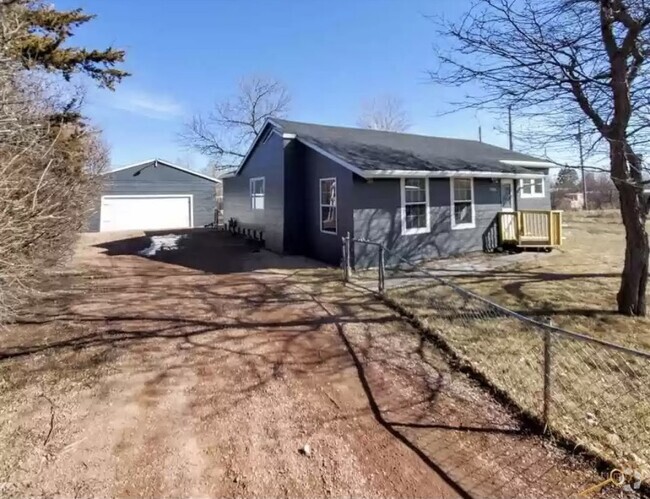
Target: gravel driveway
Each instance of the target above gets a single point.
(204, 371)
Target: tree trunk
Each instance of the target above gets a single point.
(631, 295)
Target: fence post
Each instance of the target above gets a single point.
(547, 378)
(344, 259)
(347, 268)
(382, 268)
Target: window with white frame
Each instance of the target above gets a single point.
(462, 203)
(531, 187)
(257, 193)
(328, 205)
(415, 205)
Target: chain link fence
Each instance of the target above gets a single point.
(588, 392)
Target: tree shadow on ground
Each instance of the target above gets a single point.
(479, 448)
(511, 281)
(276, 326)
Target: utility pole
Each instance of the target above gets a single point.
(480, 135)
(582, 168)
(510, 126)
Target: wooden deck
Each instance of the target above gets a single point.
(530, 228)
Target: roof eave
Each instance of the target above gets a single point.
(446, 174)
(527, 164)
(132, 165)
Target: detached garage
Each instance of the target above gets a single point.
(155, 195)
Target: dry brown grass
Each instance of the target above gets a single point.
(574, 286)
(600, 398)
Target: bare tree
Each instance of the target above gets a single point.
(564, 62)
(602, 191)
(384, 113)
(225, 133)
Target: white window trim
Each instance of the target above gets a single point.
(250, 191)
(417, 230)
(454, 225)
(321, 205)
(526, 195)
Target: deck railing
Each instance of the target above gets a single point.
(534, 228)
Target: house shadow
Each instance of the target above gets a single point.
(205, 250)
(491, 236)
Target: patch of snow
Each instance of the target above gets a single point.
(306, 450)
(168, 242)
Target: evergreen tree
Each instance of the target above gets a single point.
(44, 43)
(51, 159)
(567, 178)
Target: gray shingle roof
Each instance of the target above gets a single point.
(379, 150)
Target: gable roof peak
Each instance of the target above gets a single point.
(155, 162)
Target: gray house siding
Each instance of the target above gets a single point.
(541, 203)
(319, 245)
(377, 217)
(294, 198)
(291, 216)
(266, 160)
(369, 209)
(161, 179)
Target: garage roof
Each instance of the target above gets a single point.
(156, 161)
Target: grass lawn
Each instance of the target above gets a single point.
(575, 286)
(600, 398)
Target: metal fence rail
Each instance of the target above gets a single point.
(589, 391)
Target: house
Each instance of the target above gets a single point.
(306, 185)
(576, 200)
(153, 195)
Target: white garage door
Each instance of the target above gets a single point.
(146, 212)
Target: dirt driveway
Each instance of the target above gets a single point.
(205, 371)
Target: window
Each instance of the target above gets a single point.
(328, 205)
(462, 203)
(415, 205)
(532, 187)
(257, 193)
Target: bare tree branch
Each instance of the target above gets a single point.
(226, 132)
(384, 113)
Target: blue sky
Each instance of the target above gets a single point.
(332, 55)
